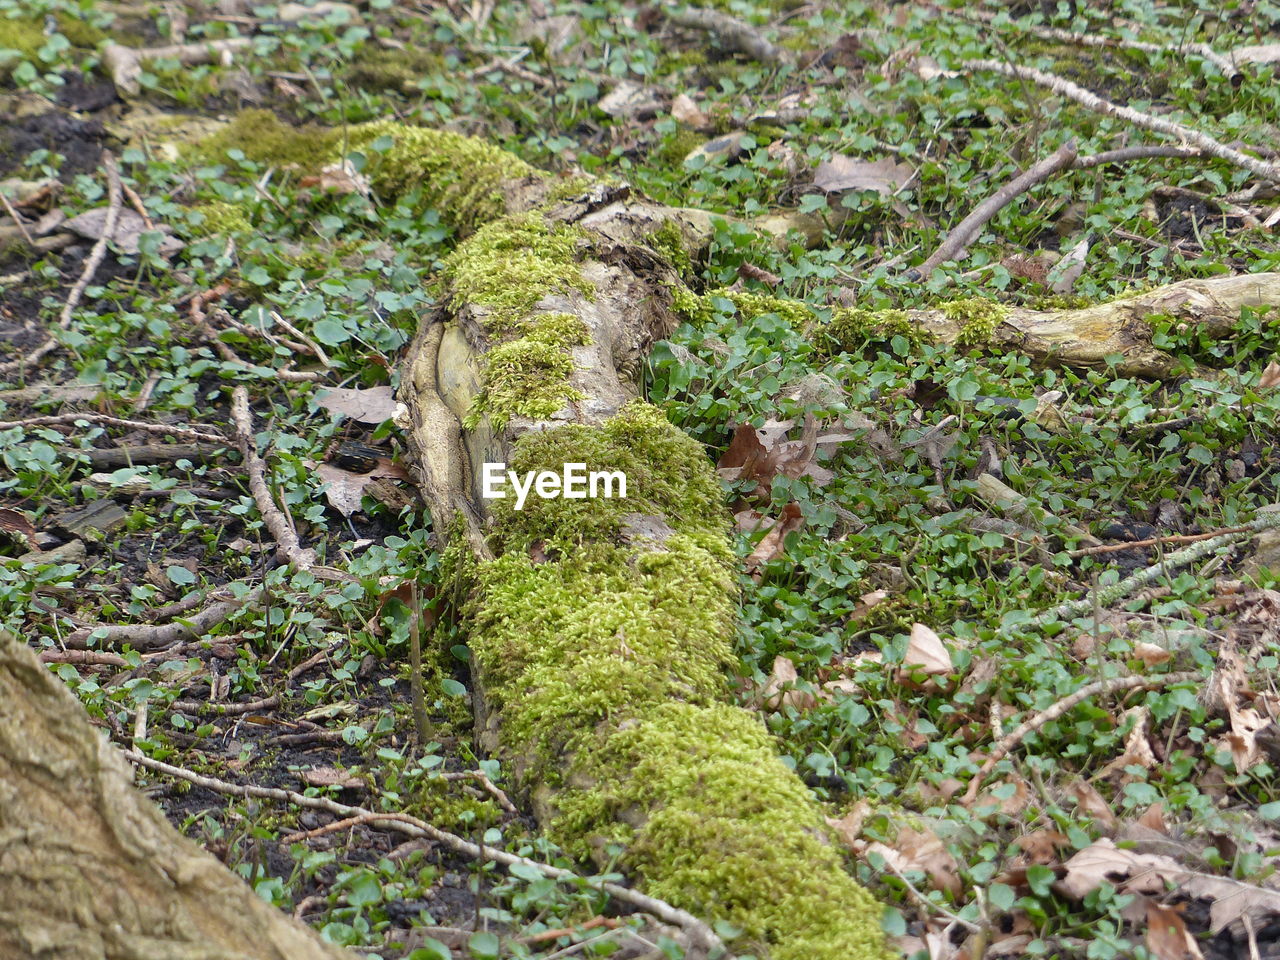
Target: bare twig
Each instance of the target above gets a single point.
(1142, 152)
(152, 636)
(226, 709)
(17, 220)
(164, 429)
(1186, 135)
(125, 63)
(1020, 733)
(1180, 558)
(697, 931)
(1153, 541)
(963, 234)
(728, 31)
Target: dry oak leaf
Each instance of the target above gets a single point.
(771, 545)
(1154, 875)
(344, 489)
(1091, 803)
(885, 176)
(1137, 750)
(920, 848)
(1167, 935)
(780, 690)
(372, 405)
(926, 653)
(849, 827)
(1270, 376)
(1043, 846)
(1151, 654)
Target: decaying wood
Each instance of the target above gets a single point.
(1122, 329)
(89, 868)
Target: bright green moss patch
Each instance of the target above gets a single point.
(507, 267)
(22, 38)
(850, 326)
(732, 833)
(460, 176)
(667, 475)
(529, 376)
(268, 141)
(605, 656)
(978, 319)
(374, 68)
(511, 264)
(669, 242)
(220, 217)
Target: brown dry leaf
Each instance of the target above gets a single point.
(749, 271)
(340, 178)
(772, 544)
(849, 827)
(885, 176)
(866, 603)
(1167, 935)
(344, 488)
(372, 405)
(1042, 846)
(1137, 749)
(129, 228)
(330, 777)
(1153, 818)
(684, 110)
(17, 527)
(1151, 654)
(1091, 803)
(926, 653)
(1242, 741)
(1153, 874)
(843, 687)
(780, 690)
(920, 848)
(1027, 267)
(1062, 278)
(1015, 946)
(1270, 376)
(1008, 802)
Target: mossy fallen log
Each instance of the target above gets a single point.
(600, 629)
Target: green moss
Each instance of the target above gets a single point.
(23, 37)
(529, 375)
(374, 68)
(850, 327)
(978, 318)
(508, 267)
(460, 176)
(667, 475)
(220, 217)
(748, 306)
(675, 147)
(606, 662)
(511, 264)
(268, 141)
(669, 242)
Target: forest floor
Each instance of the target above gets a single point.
(1013, 772)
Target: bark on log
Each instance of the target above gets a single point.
(1122, 328)
(89, 868)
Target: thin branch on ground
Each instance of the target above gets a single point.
(970, 226)
(698, 931)
(1140, 152)
(1106, 596)
(164, 429)
(1023, 730)
(226, 709)
(17, 220)
(1091, 101)
(1202, 50)
(729, 32)
(1154, 541)
(147, 636)
(125, 63)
